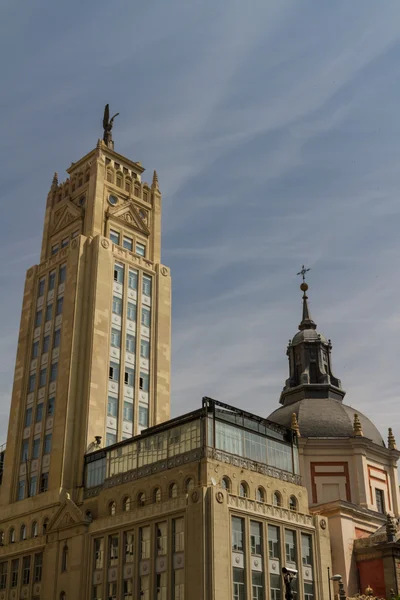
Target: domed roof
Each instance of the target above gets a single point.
(308, 335)
(325, 418)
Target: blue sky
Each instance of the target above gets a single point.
(274, 128)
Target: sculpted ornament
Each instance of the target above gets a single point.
(220, 497)
(105, 243)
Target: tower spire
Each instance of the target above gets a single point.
(306, 322)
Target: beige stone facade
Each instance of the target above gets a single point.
(101, 496)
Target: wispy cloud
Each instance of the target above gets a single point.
(274, 132)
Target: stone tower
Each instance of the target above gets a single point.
(93, 357)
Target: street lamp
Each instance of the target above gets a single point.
(288, 576)
(338, 578)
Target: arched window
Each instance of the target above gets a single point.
(173, 490)
(128, 185)
(119, 180)
(277, 499)
(22, 532)
(137, 191)
(109, 176)
(243, 490)
(35, 529)
(45, 525)
(141, 499)
(64, 559)
(1, 538)
(157, 495)
(226, 483)
(189, 484)
(260, 494)
(126, 504)
(112, 508)
(11, 536)
(293, 503)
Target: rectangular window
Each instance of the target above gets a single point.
(128, 590)
(239, 592)
(111, 438)
(47, 444)
(145, 317)
(143, 416)
(98, 553)
(140, 249)
(3, 575)
(46, 344)
(308, 591)
(255, 537)
(129, 378)
(49, 312)
(129, 546)
(117, 306)
(178, 534)
(290, 546)
(35, 349)
(59, 305)
(39, 413)
(53, 371)
(50, 407)
(178, 584)
(144, 348)
(62, 274)
(14, 572)
(144, 545)
(38, 318)
(118, 273)
(128, 243)
(64, 242)
(32, 486)
(115, 338)
(161, 586)
(32, 382)
(52, 281)
(114, 236)
(144, 381)
(112, 407)
(257, 585)
(113, 550)
(97, 592)
(131, 313)
(380, 500)
(132, 279)
(26, 569)
(146, 285)
(237, 534)
(114, 371)
(130, 343)
(38, 567)
(306, 550)
(54, 249)
(36, 448)
(41, 287)
(21, 490)
(44, 482)
(275, 586)
(273, 542)
(28, 417)
(25, 450)
(57, 338)
(128, 412)
(161, 538)
(112, 591)
(42, 377)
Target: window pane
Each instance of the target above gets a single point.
(144, 381)
(237, 534)
(131, 311)
(63, 273)
(47, 444)
(128, 243)
(28, 417)
(119, 273)
(115, 338)
(140, 249)
(145, 317)
(273, 541)
(46, 344)
(49, 312)
(53, 371)
(50, 407)
(112, 406)
(114, 236)
(59, 306)
(146, 285)
(111, 438)
(143, 416)
(130, 343)
(144, 348)
(128, 411)
(52, 280)
(117, 305)
(256, 537)
(38, 318)
(36, 448)
(133, 279)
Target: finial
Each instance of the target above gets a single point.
(154, 184)
(306, 322)
(295, 425)
(357, 429)
(391, 440)
(107, 126)
(54, 183)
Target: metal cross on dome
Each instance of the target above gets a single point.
(303, 272)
